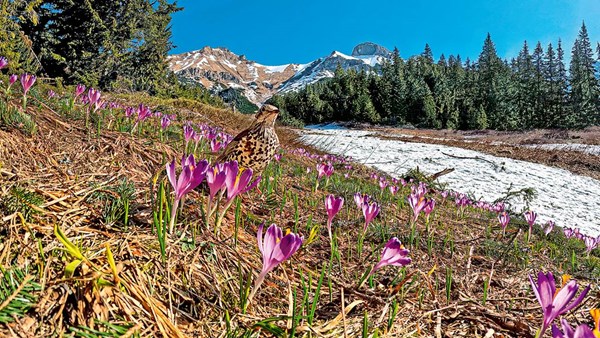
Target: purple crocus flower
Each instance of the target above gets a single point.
(591, 243)
(393, 189)
(333, 206)
(499, 207)
(93, 96)
(129, 111)
(444, 195)
(215, 146)
(504, 219)
(394, 254)
(215, 178)
(277, 157)
(275, 248)
(429, 206)
(51, 94)
(188, 133)
(3, 62)
(417, 203)
(383, 184)
(165, 121)
(555, 303)
(321, 170)
(192, 174)
(238, 184)
(420, 190)
(143, 113)
(79, 90)
(568, 232)
(549, 227)
(361, 199)
(530, 217)
(27, 80)
(581, 331)
(370, 211)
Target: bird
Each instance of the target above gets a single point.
(254, 147)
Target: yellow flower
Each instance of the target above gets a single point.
(596, 315)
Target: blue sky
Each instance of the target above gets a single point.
(280, 32)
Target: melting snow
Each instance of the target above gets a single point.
(568, 199)
(584, 148)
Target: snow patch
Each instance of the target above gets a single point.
(568, 199)
(584, 148)
(229, 64)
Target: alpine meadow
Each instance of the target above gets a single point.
(239, 169)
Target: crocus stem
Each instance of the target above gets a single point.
(222, 215)
(87, 118)
(259, 280)
(365, 278)
(208, 213)
(330, 236)
(173, 215)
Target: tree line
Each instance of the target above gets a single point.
(533, 90)
(111, 45)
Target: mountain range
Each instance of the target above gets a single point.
(237, 79)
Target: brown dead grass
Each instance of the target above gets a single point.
(189, 294)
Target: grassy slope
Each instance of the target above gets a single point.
(62, 177)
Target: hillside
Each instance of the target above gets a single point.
(85, 246)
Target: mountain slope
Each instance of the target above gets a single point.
(228, 74)
(219, 69)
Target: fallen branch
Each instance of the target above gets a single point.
(470, 158)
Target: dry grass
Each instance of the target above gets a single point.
(196, 292)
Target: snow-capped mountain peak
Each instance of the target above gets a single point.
(219, 70)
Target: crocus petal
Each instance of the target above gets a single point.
(567, 329)
(556, 332)
(171, 174)
(547, 288)
(260, 238)
(577, 301)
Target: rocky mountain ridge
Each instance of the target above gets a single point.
(230, 75)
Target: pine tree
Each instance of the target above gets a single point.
(539, 88)
(488, 68)
(584, 86)
(564, 109)
(525, 83)
(550, 74)
(14, 45)
(427, 54)
(104, 43)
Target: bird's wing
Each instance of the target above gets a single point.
(232, 146)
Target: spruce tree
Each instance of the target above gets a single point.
(562, 99)
(539, 88)
(525, 83)
(584, 85)
(427, 54)
(488, 68)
